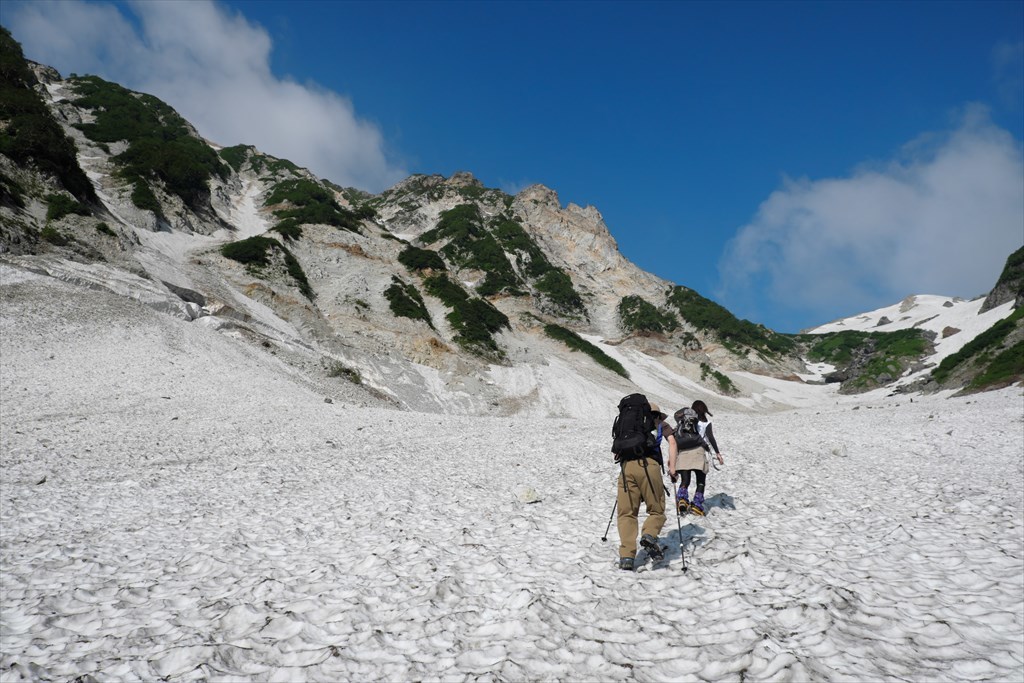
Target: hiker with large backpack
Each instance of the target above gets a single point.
(686, 456)
(638, 455)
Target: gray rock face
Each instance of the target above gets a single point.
(170, 260)
(1010, 286)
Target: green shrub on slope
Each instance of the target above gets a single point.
(310, 203)
(255, 253)
(405, 301)
(981, 346)
(578, 343)
(705, 314)
(160, 143)
(29, 135)
(638, 315)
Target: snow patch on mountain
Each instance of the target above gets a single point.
(955, 322)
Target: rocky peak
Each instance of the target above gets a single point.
(588, 213)
(539, 194)
(417, 181)
(464, 179)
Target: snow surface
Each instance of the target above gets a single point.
(938, 314)
(177, 505)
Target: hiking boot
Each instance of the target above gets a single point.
(653, 548)
(626, 563)
(698, 503)
(683, 501)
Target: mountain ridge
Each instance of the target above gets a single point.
(422, 292)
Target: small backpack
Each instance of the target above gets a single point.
(632, 427)
(686, 432)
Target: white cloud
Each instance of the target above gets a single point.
(939, 220)
(514, 187)
(213, 66)
(1008, 73)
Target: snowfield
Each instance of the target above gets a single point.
(178, 505)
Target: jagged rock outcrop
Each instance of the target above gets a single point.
(1010, 286)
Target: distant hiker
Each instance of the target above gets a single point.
(638, 453)
(686, 455)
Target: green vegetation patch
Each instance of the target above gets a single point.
(262, 162)
(251, 251)
(578, 343)
(416, 259)
(310, 203)
(638, 315)
(470, 245)
(1006, 367)
(53, 236)
(235, 156)
(29, 135)
(441, 287)
(705, 314)
(255, 252)
(474, 320)
(557, 287)
(876, 370)
(981, 346)
(59, 205)
(725, 385)
(288, 230)
(838, 348)
(472, 191)
(873, 358)
(143, 196)
(552, 283)
(513, 237)
(160, 143)
(406, 302)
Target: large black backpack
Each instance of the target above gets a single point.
(632, 427)
(686, 431)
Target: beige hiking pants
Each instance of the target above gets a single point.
(643, 483)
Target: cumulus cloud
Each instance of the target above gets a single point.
(940, 219)
(213, 66)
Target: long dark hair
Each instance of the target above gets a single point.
(702, 410)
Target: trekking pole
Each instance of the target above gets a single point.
(679, 525)
(605, 537)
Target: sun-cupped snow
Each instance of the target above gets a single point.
(178, 506)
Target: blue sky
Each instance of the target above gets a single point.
(795, 162)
